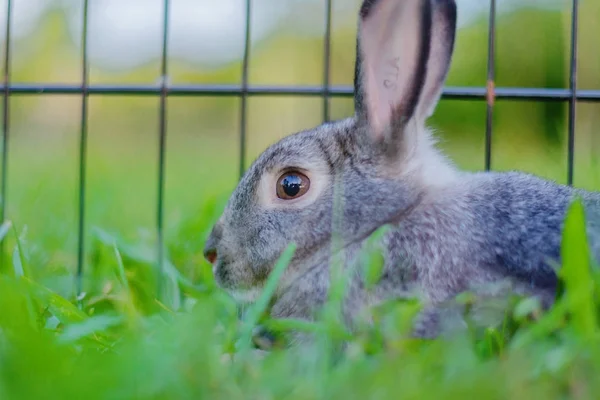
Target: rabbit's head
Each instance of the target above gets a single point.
(378, 163)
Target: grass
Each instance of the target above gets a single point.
(118, 341)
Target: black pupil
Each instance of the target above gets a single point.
(292, 185)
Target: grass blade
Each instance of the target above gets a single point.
(254, 313)
(576, 272)
(89, 327)
(20, 265)
(60, 307)
(4, 229)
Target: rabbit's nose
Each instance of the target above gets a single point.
(210, 248)
(210, 255)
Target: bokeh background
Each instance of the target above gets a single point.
(206, 40)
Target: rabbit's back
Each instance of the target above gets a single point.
(524, 215)
(489, 226)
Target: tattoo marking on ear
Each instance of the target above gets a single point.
(392, 74)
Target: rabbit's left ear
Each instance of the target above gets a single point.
(403, 55)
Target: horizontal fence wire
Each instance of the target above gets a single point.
(449, 92)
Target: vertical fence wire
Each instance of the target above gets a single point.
(491, 85)
(5, 122)
(244, 94)
(83, 150)
(573, 90)
(162, 148)
(327, 61)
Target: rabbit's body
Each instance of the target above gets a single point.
(451, 230)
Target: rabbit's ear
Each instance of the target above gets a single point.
(403, 55)
(443, 34)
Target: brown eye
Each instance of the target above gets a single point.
(292, 185)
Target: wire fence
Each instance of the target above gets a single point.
(163, 91)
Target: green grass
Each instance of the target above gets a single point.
(118, 341)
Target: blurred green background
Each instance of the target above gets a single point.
(203, 132)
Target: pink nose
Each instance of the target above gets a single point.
(211, 245)
(211, 256)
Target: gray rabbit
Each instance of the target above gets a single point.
(451, 230)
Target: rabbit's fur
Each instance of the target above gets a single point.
(452, 230)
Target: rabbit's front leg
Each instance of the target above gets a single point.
(302, 300)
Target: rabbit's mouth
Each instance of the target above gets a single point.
(222, 274)
(231, 282)
(242, 295)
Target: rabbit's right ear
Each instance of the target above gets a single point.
(403, 55)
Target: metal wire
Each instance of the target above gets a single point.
(450, 92)
(5, 121)
(162, 148)
(491, 84)
(573, 90)
(244, 89)
(82, 151)
(326, 60)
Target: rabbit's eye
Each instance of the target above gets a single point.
(292, 185)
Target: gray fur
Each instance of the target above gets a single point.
(452, 230)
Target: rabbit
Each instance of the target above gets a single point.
(450, 230)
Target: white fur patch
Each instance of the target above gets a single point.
(433, 168)
(246, 295)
